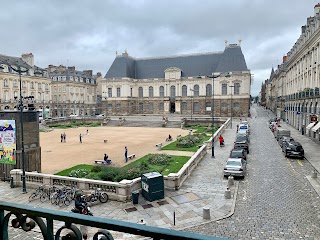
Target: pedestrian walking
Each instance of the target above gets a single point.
(80, 137)
(126, 153)
(64, 137)
(61, 137)
(87, 131)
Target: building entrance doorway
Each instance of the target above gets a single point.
(172, 107)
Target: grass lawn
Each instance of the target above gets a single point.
(202, 129)
(66, 172)
(173, 167)
(172, 146)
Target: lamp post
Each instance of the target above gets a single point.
(192, 102)
(232, 87)
(19, 70)
(212, 110)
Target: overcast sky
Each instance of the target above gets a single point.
(86, 34)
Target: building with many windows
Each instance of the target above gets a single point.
(36, 86)
(178, 84)
(294, 86)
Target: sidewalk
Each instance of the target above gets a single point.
(204, 188)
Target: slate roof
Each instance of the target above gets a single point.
(14, 61)
(230, 60)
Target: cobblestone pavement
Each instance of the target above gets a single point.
(275, 200)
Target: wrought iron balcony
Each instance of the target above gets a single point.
(28, 217)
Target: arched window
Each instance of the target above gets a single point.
(140, 90)
(172, 91)
(5, 83)
(40, 86)
(150, 91)
(184, 90)
(224, 89)
(161, 91)
(32, 85)
(209, 90)
(236, 106)
(196, 90)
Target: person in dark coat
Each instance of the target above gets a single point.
(126, 153)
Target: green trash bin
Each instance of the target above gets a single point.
(152, 185)
(135, 197)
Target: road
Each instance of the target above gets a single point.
(275, 200)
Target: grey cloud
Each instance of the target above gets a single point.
(87, 33)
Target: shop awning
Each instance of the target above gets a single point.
(316, 127)
(311, 125)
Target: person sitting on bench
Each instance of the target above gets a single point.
(105, 158)
(169, 138)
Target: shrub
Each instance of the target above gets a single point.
(96, 169)
(79, 173)
(159, 159)
(108, 174)
(94, 176)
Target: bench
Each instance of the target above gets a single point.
(179, 136)
(159, 145)
(131, 156)
(103, 162)
(105, 140)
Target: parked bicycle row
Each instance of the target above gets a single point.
(289, 146)
(63, 195)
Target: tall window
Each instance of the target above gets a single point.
(151, 107)
(161, 106)
(224, 106)
(224, 89)
(236, 88)
(184, 106)
(40, 86)
(131, 92)
(209, 90)
(140, 90)
(172, 91)
(161, 91)
(236, 106)
(118, 92)
(5, 83)
(109, 92)
(150, 91)
(196, 90)
(184, 90)
(32, 85)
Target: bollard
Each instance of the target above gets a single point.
(227, 194)
(230, 181)
(314, 174)
(206, 213)
(11, 182)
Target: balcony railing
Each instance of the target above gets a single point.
(28, 217)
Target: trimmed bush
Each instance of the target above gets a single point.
(79, 173)
(159, 159)
(96, 169)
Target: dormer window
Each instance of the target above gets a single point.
(172, 73)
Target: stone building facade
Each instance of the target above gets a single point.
(294, 87)
(178, 84)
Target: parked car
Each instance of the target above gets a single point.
(244, 127)
(241, 145)
(238, 153)
(293, 149)
(242, 137)
(279, 132)
(73, 115)
(235, 167)
(284, 139)
(100, 116)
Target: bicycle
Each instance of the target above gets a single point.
(46, 195)
(37, 193)
(97, 195)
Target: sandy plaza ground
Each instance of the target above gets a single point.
(56, 156)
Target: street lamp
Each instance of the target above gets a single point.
(232, 88)
(18, 69)
(192, 102)
(212, 109)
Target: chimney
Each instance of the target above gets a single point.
(28, 58)
(284, 59)
(316, 8)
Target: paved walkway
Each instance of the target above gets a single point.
(205, 187)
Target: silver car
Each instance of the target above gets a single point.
(235, 167)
